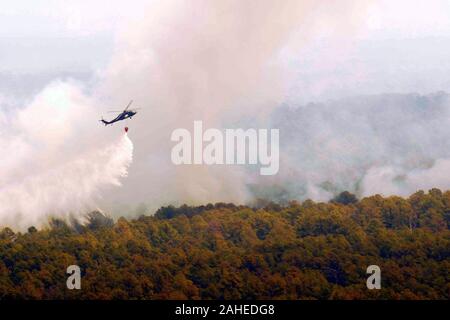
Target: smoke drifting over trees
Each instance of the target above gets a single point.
(388, 144)
(219, 62)
(206, 60)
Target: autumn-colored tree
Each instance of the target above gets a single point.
(305, 250)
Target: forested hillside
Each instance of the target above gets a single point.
(300, 251)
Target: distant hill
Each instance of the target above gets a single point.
(387, 143)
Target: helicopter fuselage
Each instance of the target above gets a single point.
(123, 116)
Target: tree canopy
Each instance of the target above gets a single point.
(303, 250)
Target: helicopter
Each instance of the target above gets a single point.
(125, 114)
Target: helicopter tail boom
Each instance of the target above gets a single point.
(105, 122)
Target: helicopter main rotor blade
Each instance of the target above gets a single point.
(128, 105)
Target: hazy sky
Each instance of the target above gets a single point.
(48, 38)
(74, 18)
(78, 18)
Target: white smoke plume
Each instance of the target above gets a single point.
(216, 61)
(53, 164)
